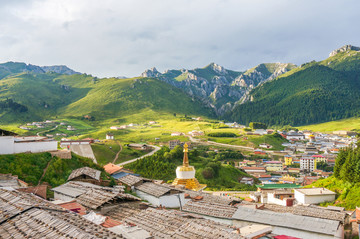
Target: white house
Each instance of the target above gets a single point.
(260, 132)
(313, 195)
(160, 195)
(33, 144)
(109, 136)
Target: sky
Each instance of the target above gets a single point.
(108, 38)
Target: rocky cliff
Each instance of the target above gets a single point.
(343, 49)
(218, 87)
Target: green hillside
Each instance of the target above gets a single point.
(50, 95)
(316, 92)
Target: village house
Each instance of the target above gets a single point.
(308, 163)
(174, 143)
(34, 144)
(8, 180)
(273, 166)
(313, 195)
(25, 215)
(110, 136)
(160, 195)
(293, 135)
(177, 134)
(254, 170)
(288, 160)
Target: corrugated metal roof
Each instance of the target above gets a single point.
(69, 190)
(153, 189)
(93, 173)
(287, 220)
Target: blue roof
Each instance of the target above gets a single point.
(122, 174)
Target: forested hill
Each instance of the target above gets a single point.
(315, 92)
(28, 96)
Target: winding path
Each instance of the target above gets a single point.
(156, 148)
(117, 154)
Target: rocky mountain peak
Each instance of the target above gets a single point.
(61, 69)
(343, 49)
(218, 69)
(152, 72)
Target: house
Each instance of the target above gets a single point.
(288, 160)
(160, 195)
(67, 143)
(152, 122)
(176, 134)
(111, 168)
(195, 133)
(291, 225)
(274, 186)
(90, 195)
(273, 166)
(308, 163)
(32, 217)
(70, 128)
(281, 197)
(110, 136)
(115, 127)
(85, 174)
(293, 170)
(138, 146)
(295, 136)
(132, 180)
(266, 146)
(313, 195)
(260, 132)
(253, 170)
(173, 143)
(247, 180)
(259, 151)
(34, 144)
(320, 158)
(8, 180)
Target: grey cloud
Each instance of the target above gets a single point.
(111, 38)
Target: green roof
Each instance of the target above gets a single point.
(278, 185)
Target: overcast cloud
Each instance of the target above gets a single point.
(125, 37)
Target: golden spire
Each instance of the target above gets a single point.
(186, 159)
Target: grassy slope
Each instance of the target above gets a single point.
(30, 167)
(52, 95)
(344, 124)
(348, 195)
(308, 94)
(104, 154)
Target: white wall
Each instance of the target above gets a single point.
(35, 147)
(272, 199)
(6, 144)
(312, 199)
(9, 146)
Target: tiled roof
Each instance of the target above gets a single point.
(112, 168)
(27, 216)
(92, 173)
(153, 189)
(287, 220)
(130, 179)
(210, 209)
(172, 224)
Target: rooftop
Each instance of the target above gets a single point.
(278, 185)
(315, 191)
(154, 189)
(92, 173)
(287, 220)
(130, 179)
(27, 216)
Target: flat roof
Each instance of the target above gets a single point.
(315, 191)
(278, 185)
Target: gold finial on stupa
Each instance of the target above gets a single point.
(186, 159)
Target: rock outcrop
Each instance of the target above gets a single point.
(218, 87)
(344, 49)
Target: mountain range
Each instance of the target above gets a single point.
(273, 93)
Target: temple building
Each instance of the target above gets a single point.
(185, 174)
